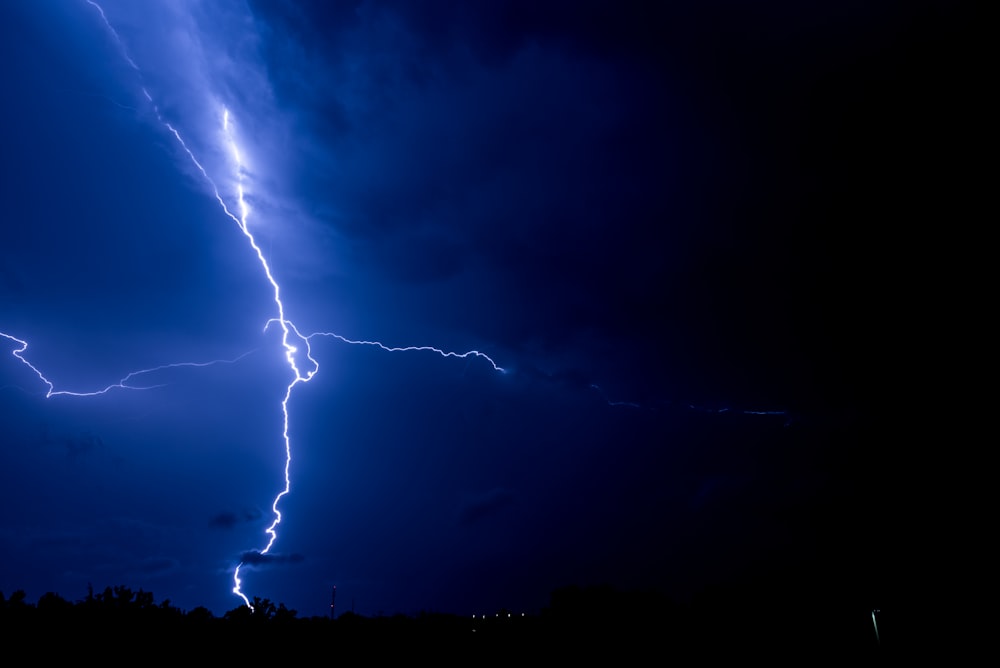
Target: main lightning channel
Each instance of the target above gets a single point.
(296, 346)
(299, 374)
(302, 369)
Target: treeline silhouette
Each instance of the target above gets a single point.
(578, 621)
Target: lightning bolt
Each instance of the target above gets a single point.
(296, 347)
(304, 368)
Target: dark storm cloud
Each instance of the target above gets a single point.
(229, 519)
(224, 520)
(518, 131)
(481, 152)
(256, 558)
(535, 124)
(509, 135)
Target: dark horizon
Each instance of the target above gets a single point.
(576, 619)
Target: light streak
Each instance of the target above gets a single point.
(689, 406)
(114, 33)
(394, 349)
(123, 384)
(630, 404)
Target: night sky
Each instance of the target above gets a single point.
(675, 226)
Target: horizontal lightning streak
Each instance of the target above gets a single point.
(122, 384)
(392, 349)
(689, 406)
